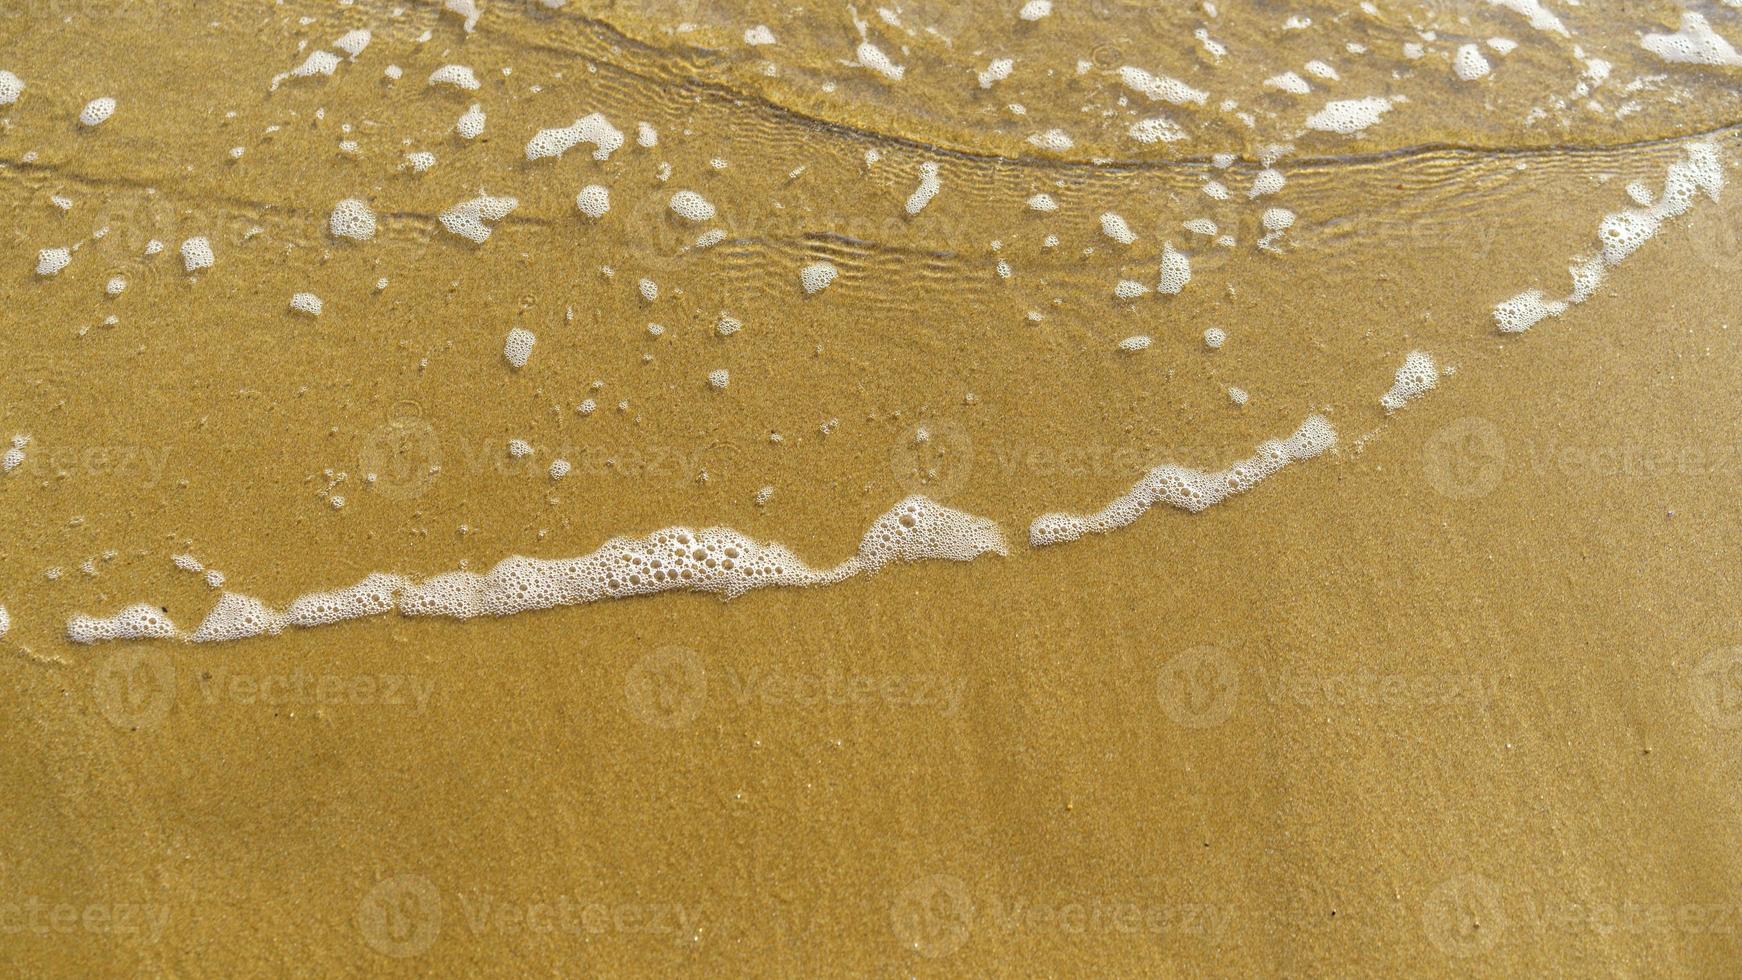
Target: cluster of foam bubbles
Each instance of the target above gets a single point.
(1176, 270)
(306, 303)
(1114, 226)
(1186, 488)
(517, 349)
(1621, 234)
(691, 206)
(1417, 375)
(459, 76)
(196, 254)
(1694, 44)
(594, 200)
(872, 57)
(11, 87)
(471, 123)
(676, 559)
(928, 188)
(817, 276)
(467, 219)
(351, 218)
(139, 621)
(1160, 87)
(593, 128)
(1349, 116)
(50, 261)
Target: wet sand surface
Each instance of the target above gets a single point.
(1460, 695)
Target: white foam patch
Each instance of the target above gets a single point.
(1160, 87)
(137, 622)
(1043, 203)
(11, 88)
(1694, 44)
(758, 35)
(997, 71)
(307, 303)
(1188, 489)
(459, 76)
(593, 128)
(1053, 140)
(353, 42)
(1619, 235)
(817, 276)
(691, 206)
(1176, 270)
(1288, 82)
(928, 188)
(351, 218)
(593, 200)
(1469, 64)
(1533, 10)
(517, 349)
(1416, 377)
(872, 57)
(1115, 227)
(1156, 129)
(471, 123)
(98, 110)
(5, 621)
(196, 254)
(1349, 116)
(471, 219)
(715, 560)
(50, 261)
(1035, 10)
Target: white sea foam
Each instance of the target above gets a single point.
(1415, 378)
(714, 560)
(1187, 489)
(1619, 235)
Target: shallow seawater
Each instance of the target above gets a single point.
(1240, 472)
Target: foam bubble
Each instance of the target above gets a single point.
(1156, 129)
(719, 379)
(1349, 116)
(11, 88)
(997, 71)
(471, 124)
(1043, 203)
(1277, 219)
(517, 349)
(353, 42)
(1540, 18)
(420, 161)
(307, 303)
(1415, 378)
(817, 276)
(1114, 227)
(593, 200)
(459, 76)
(1266, 181)
(1054, 140)
(1187, 489)
(758, 35)
(1132, 345)
(352, 219)
(1288, 82)
(929, 184)
(691, 206)
(196, 254)
(872, 57)
(1176, 270)
(467, 219)
(593, 128)
(1201, 226)
(1526, 310)
(116, 285)
(97, 111)
(646, 136)
(1129, 289)
(136, 622)
(1468, 64)
(1215, 337)
(50, 261)
(1160, 87)
(1035, 10)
